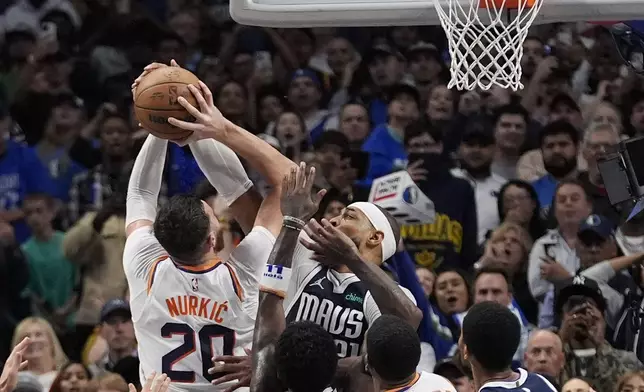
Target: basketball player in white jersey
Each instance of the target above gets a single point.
(360, 292)
(187, 305)
(393, 352)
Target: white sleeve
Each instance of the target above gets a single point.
(250, 256)
(538, 286)
(371, 309)
(427, 358)
(141, 251)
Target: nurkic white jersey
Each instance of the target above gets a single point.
(183, 316)
(426, 382)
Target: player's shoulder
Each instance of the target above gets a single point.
(435, 382)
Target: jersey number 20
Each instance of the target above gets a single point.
(191, 342)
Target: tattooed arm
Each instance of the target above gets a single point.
(297, 202)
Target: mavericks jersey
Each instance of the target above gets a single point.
(336, 304)
(527, 382)
(185, 315)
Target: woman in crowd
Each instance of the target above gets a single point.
(631, 382)
(518, 203)
(508, 248)
(44, 354)
(291, 132)
(73, 377)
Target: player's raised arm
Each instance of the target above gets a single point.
(259, 154)
(298, 204)
(145, 184)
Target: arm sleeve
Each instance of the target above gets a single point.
(538, 286)
(602, 273)
(141, 251)
(222, 168)
(145, 181)
(250, 256)
(371, 309)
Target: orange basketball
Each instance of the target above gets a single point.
(507, 4)
(157, 98)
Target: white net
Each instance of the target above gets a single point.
(486, 40)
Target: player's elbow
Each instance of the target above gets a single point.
(415, 316)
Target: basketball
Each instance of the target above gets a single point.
(157, 99)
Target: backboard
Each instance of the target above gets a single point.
(364, 13)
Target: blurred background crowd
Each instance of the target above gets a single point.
(522, 216)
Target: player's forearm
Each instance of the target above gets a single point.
(261, 156)
(386, 293)
(145, 181)
(222, 168)
(270, 320)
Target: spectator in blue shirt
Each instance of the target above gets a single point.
(559, 142)
(20, 174)
(385, 144)
(63, 125)
(386, 67)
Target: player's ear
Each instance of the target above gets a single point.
(375, 238)
(212, 243)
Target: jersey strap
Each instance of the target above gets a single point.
(153, 271)
(407, 386)
(235, 281)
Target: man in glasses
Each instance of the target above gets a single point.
(581, 306)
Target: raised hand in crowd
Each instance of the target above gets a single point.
(154, 383)
(14, 364)
(553, 271)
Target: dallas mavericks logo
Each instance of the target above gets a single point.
(274, 271)
(410, 195)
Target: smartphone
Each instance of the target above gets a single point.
(547, 250)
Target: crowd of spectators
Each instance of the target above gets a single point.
(522, 216)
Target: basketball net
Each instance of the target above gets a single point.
(486, 40)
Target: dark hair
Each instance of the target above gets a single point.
(421, 127)
(182, 227)
(492, 334)
(559, 127)
(494, 269)
(393, 348)
(395, 226)
(306, 357)
(536, 228)
(55, 385)
(332, 195)
(570, 181)
(511, 109)
(205, 190)
(330, 137)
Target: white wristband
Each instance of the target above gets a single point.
(275, 280)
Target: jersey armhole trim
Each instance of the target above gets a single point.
(235, 281)
(153, 271)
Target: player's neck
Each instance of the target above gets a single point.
(387, 386)
(482, 377)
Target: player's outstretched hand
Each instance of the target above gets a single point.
(232, 368)
(209, 122)
(14, 364)
(154, 383)
(330, 246)
(149, 68)
(298, 198)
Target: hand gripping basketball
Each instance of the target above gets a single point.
(210, 123)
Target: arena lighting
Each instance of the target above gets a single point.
(623, 175)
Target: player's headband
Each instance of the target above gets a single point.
(380, 223)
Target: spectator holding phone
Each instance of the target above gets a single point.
(581, 305)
